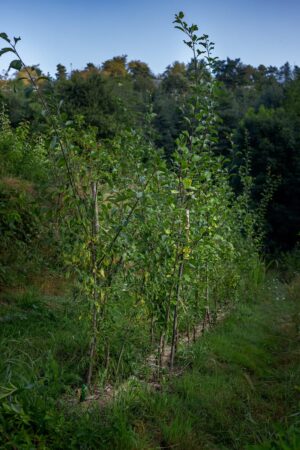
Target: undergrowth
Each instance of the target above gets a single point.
(237, 391)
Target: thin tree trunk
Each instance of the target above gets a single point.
(207, 286)
(152, 330)
(95, 233)
(187, 230)
(175, 316)
(165, 331)
(163, 337)
(180, 271)
(107, 356)
(197, 309)
(160, 351)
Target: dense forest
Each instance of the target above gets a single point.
(149, 242)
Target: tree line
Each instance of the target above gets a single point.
(259, 108)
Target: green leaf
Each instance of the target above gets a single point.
(194, 28)
(5, 37)
(207, 174)
(187, 183)
(17, 39)
(186, 277)
(5, 50)
(15, 64)
(196, 158)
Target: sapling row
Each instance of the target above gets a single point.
(155, 245)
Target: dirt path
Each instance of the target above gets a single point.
(109, 393)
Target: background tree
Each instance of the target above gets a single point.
(115, 67)
(61, 72)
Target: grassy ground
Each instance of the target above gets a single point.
(236, 388)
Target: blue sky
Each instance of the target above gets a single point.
(80, 31)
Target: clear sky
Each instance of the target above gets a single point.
(80, 31)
